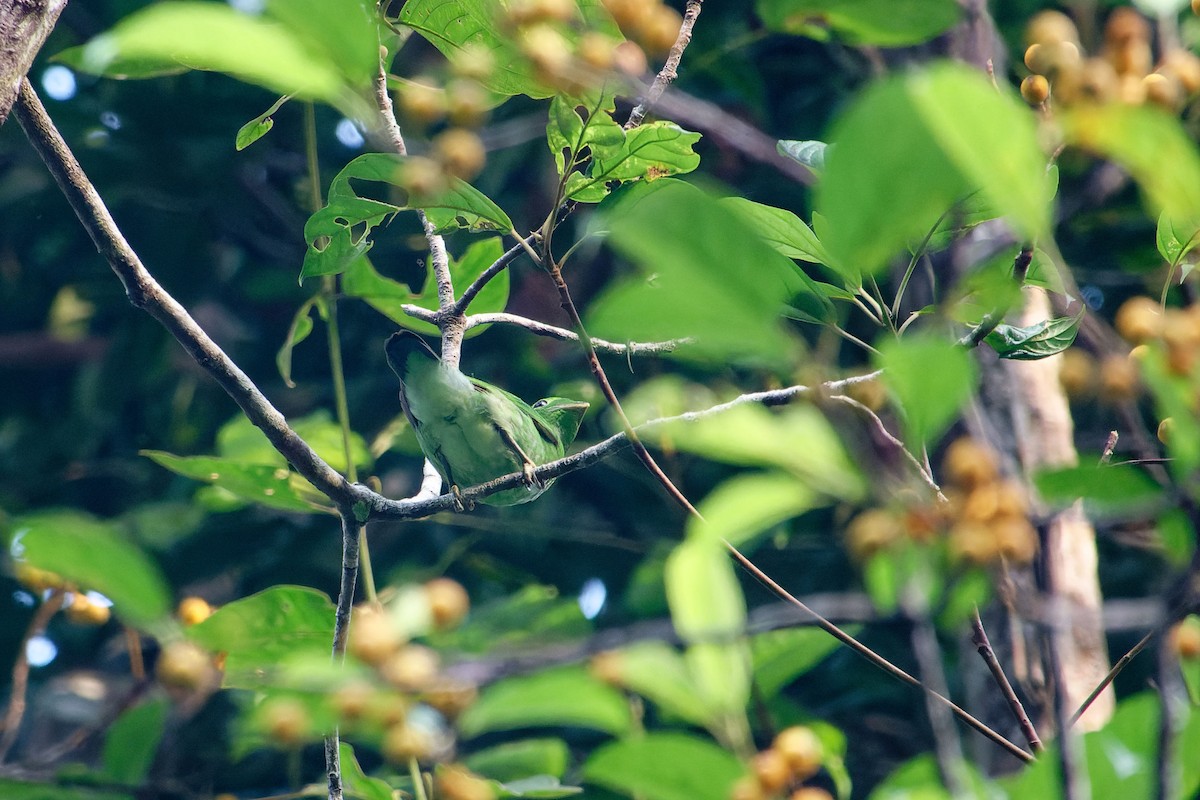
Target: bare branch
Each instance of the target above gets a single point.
(24, 26)
(668, 72)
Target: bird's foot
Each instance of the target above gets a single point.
(532, 481)
(461, 504)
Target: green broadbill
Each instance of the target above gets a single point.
(472, 431)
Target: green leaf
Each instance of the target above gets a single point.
(1105, 488)
(11, 789)
(339, 234)
(172, 37)
(389, 297)
(784, 231)
(535, 614)
(515, 760)
(252, 131)
(274, 487)
(94, 555)
(1041, 340)
(568, 133)
(809, 153)
(708, 612)
(650, 151)
(356, 783)
(298, 331)
(132, 741)
(781, 656)
(1175, 239)
(888, 23)
(1148, 143)
(258, 632)
(566, 696)
(797, 439)
(664, 766)
(742, 508)
(905, 153)
(538, 787)
(930, 378)
(659, 673)
(919, 779)
(705, 275)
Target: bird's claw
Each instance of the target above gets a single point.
(531, 479)
(461, 504)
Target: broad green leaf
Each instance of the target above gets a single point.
(172, 37)
(1177, 536)
(12, 789)
(781, 656)
(797, 439)
(1041, 340)
(260, 631)
(274, 487)
(535, 614)
(920, 779)
(889, 23)
(809, 153)
(650, 151)
(705, 275)
(708, 612)
(94, 555)
(664, 766)
(339, 234)
(931, 378)
(132, 741)
(566, 696)
(780, 228)
(1105, 488)
(346, 32)
(240, 439)
(744, 507)
(1148, 143)
(535, 787)
(567, 130)
(1175, 239)
(357, 783)
(659, 673)
(905, 153)
(514, 760)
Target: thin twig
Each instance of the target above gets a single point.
(874, 658)
(668, 73)
(19, 683)
(979, 638)
(1121, 664)
(497, 266)
(922, 469)
(947, 747)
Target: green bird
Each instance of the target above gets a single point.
(474, 432)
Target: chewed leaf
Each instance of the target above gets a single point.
(1035, 341)
(810, 153)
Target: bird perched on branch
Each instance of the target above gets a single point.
(473, 432)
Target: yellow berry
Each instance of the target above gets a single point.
(1138, 319)
(771, 770)
(424, 177)
(457, 783)
(968, 463)
(353, 700)
(973, 542)
(37, 580)
(872, 531)
(596, 50)
(1051, 58)
(1126, 25)
(1196, 7)
(412, 668)
(372, 636)
(84, 611)
(659, 29)
(466, 103)
(546, 48)
(1164, 430)
(474, 62)
(628, 14)
(1048, 27)
(421, 100)
(746, 788)
(1035, 89)
(192, 610)
(448, 602)
(1016, 539)
(1118, 379)
(1185, 638)
(1077, 373)
(184, 665)
(285, 720)
(450, 698)
(810, 793)
(1098, 80)
(608, 666)
(403, 742)
(802, 749)
(629, 59)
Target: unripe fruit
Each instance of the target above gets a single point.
(546, 49)
(456, 783)
(659, 29)
(37, 580)
(973, 542)
(1035, 89)
(596, 51)
(411, 668)
(771, 770)
(422, 100)
(1131, 58)
(1139, 319)
(193, 610)
(1077, 373)
(448, 602)
(628, 14)
(810, 793)
(184, 665)
(403, 742)
(353, 700)
(466, 103)
(1185, 638)
(872, 531)
(629, 59)
(83, 611)
(424, 177)
(1118, 379)
(1126, 25)
(607, 666)
(474, 62)
(1048, 27)
(802, 749)
(1098, 80)
(969, 463)
(285, 720)
(1049, 59)
(1185, 66)
(746, 788)
(373, 638)
(1164, 430)
(1016, 539)
(450, 698)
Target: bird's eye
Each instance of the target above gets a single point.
(540, 403)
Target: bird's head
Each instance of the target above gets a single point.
(564, 414)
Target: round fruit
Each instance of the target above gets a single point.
(1164, 430)
(448, 602)
(85, 611)
(659, 29)
(1139, 319)
(412, 668)
(629, 59)
(746, 788)
(1047, 27)
(872, 531)
(1118, 379)
(285, 720)
(192, 610)
(802, 749)
(353, 700)
(372, 636)
(1185, 637)
(1035, 89)
(771, 770)
(184, 665)
(423, 101)
(1077, 373)
(456, 783)
(968, 463)
(403, 742)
